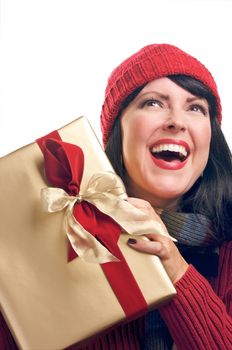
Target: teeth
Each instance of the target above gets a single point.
(170, 148)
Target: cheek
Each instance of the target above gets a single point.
(204, 139)
(136, 129)
(202, 146)
(132, 126)
(134, 139)
(200, 132)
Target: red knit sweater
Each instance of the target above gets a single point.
(199, 318)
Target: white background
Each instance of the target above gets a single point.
(56, 55)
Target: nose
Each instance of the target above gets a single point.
(174, 124)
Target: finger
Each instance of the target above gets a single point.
(159, 238)
(150, 247)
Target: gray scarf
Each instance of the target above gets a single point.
(198, 242)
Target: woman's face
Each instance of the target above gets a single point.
(166, 136)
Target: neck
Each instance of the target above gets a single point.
(159, 204)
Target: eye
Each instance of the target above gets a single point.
(199, 109)
(151, 102)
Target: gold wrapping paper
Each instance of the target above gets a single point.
(48, 303)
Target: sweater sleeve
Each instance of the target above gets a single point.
(198, 319)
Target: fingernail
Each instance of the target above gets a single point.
(132, 241)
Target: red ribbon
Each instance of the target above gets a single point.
(64, 165)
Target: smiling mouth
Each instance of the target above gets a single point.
(170, 152)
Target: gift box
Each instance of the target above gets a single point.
(52, 298)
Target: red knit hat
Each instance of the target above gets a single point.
(149, 63)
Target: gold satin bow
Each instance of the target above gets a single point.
(106, 191)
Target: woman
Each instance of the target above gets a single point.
(161, 130)
(160, 123)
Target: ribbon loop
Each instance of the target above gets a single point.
(55, 199)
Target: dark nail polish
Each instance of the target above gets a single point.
(132, 241)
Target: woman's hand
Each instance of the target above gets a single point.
(159, 245)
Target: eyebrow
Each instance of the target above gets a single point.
(167, 97)
(191, 99)
(162, 96)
